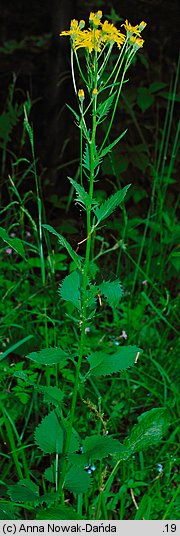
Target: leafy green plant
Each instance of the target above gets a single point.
(74, 454)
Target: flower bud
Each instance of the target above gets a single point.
(81, 94)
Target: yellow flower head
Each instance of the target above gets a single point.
(74, 29)
(94, 91)
(89, 39)
(136, 41)
(94, 19)
(131, 29)
(110, 34)
(99, 35)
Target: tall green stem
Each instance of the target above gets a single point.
(84, 299)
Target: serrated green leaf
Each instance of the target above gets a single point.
(150, 428)
(24, 491)
(70, 288)
(49, 356)
(112, 290)
(86, 157)
(14, 243)
(76, 258)
(110, 205)
(50, 473)
(98, 447)
(105, 151)
(77, 480)
(104, 107)
(49, 435)
(58, 512)
(102, 364)
(82, 196)
(53, 395)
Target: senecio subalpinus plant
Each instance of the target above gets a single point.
(83, 469)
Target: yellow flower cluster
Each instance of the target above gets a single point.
(101, 34)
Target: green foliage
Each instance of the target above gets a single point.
(52, 395)
(24, 491)
(66, 406)
(77, 480)
(65, 244)
(107, 149)
(83, 197)
(112, 290)
(49, 356)
(103, 364)
(152, 425)
(144, 98)
(104, 107)
(58, 512)
(50, 435)
(14, 243)
(108, 207)
(70, 288)
(14, 347)
(98, 447)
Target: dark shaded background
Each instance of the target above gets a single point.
(31, 48)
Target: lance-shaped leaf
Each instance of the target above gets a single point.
(74, 256)
(107, 149)
(112, 290)
(14, 243)
(49, 356)
(73, 111)
(102, 364)
(108, 207)
(104, 107)
(86, 158)
(82, 196)
(70, 288)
